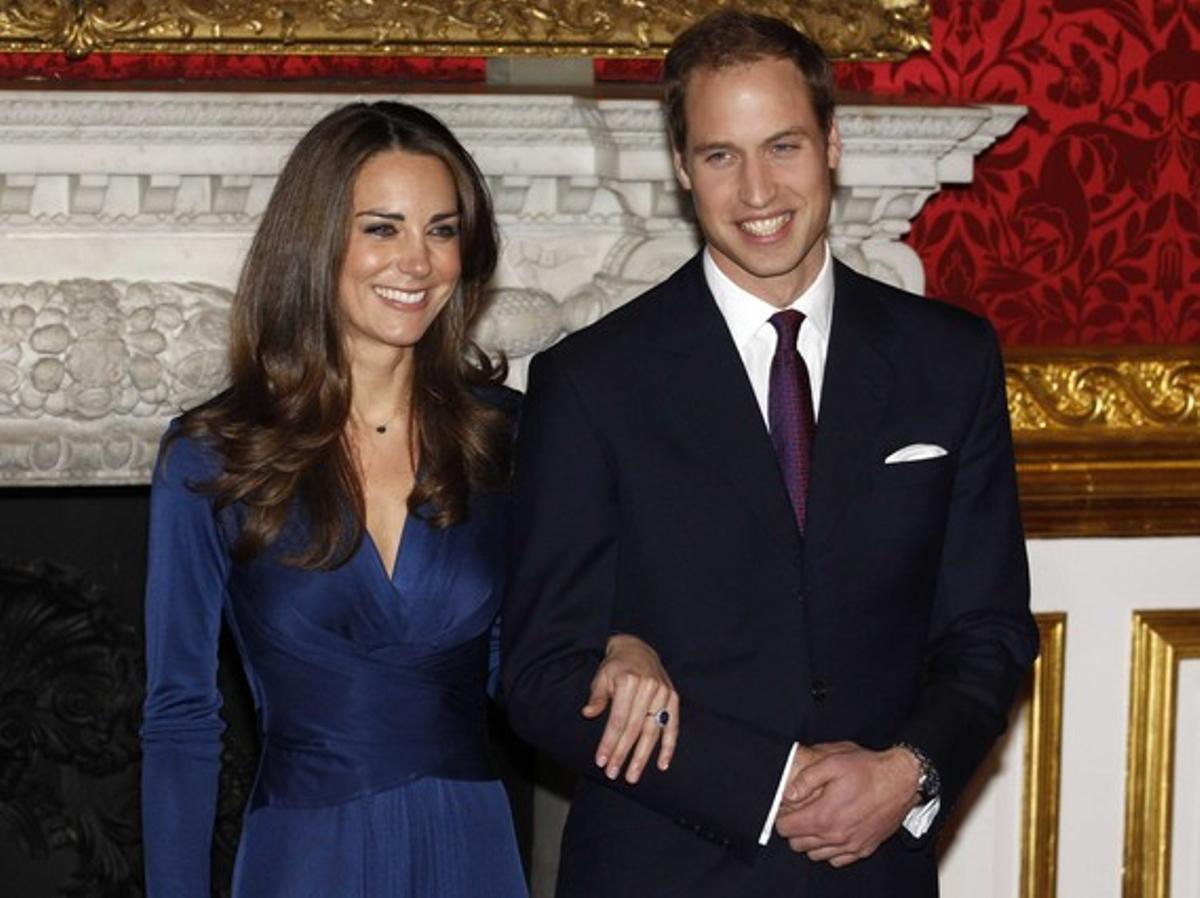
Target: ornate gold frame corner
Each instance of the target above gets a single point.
(1161, 639)
(1043, 761)
(1107, 439)
(849, 29)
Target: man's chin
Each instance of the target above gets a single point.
(770, 270)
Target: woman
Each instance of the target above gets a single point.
(342, 506)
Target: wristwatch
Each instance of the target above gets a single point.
(929, 784)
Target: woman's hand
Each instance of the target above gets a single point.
(632, 683)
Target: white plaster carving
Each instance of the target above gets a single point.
(86, 350)
(125, 215)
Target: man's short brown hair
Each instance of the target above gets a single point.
(730, 37)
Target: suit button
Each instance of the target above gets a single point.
(819, 691)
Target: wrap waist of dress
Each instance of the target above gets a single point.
(339, 726)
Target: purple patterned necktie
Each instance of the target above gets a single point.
(790, 410)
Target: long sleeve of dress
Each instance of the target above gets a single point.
(181, 730)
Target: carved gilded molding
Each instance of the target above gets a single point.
(1160, 392)
(1108, 439)
(1161, 639)
(849, 29)
(1043, 761)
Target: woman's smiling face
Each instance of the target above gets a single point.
(402, 261)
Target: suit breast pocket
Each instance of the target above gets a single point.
(927, 473)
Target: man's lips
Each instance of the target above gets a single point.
(766, 227)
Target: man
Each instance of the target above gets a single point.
(817, 529)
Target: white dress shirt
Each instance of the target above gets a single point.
(748, 320)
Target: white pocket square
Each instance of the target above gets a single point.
(915, 452)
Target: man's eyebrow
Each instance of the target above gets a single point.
(709, 147)
(794, 131)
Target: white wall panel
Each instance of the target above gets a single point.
(1098, 583)
(1185, 832)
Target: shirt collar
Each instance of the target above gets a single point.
(745, 313)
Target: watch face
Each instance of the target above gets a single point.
(929, 785)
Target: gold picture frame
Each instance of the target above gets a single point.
(1161, 639)
(1107, 439)
(848, 29)
(1043, 761)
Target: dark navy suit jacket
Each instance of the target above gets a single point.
(648, 500)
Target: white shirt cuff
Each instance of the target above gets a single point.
(920, 818)
(765, 835)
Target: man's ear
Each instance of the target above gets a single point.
(681, 174)
(833, 145)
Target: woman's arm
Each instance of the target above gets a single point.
(181, 728)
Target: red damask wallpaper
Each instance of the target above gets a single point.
(1082, 225)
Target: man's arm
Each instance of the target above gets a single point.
(982, 639)
(559, 614)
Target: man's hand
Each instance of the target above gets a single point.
(633, 684)
(842, 801)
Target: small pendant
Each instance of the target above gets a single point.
(381, 428)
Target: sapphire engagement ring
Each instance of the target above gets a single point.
(662, 716)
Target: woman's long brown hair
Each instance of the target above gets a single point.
(280, 427)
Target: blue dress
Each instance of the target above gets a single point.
(374, 779)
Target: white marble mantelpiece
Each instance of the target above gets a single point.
(124, 217)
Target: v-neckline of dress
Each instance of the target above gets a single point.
(390, 577)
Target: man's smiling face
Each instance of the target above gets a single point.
(760, 170)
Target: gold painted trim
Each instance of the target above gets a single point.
(1161, 639)
(1121, 390)
(1043, 761)
(1107, 439)
(848, 29)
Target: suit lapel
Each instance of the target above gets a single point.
(709, 395)
(854, 400)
